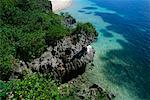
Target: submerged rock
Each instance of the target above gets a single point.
(81, 88)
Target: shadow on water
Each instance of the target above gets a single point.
(137, 11)
(130, 66)
(89, 8)
(81, 11)
(84, 11)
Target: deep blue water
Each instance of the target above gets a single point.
(123, 47)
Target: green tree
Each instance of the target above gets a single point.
(6, 57)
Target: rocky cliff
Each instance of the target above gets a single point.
(65, 58)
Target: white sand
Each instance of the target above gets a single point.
(60, 4)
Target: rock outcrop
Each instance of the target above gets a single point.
(65, 59)
(81, 88)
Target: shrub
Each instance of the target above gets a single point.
(25, 26)
(88, 28)
(6, 56)
(30, 46)
(2, 87)
(36, 86)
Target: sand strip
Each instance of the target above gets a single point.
(58, 5)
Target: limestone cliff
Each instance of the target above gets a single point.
(65, 58)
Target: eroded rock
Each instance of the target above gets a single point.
(66, 58)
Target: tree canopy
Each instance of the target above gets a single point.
(25, 26)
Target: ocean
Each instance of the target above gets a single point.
(122, 59)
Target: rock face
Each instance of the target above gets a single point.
(66, 59)
(69, 21)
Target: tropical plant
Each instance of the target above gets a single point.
(35, 86)
(88, 28)
(25, 31)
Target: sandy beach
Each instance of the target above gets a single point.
(60, 4)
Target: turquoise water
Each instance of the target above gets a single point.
(122, 59)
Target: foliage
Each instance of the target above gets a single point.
(2, 86)
(26, 26)
(6, 52)
(36, 86)
(56, 30)
(57, 33)
(88, 28)
(30, 46)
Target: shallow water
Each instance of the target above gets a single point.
(122, 59)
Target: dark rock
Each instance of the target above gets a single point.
(68, 51)
(80, 54)
(53, 52)
(64, 58)
(69, 20)
(110, 96)
(94, 86)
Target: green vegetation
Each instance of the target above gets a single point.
(26, 27)
(2, 87)
(88, 28)
(35, 86)
(6, 52)
(42, 87)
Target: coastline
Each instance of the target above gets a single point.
(59, 5)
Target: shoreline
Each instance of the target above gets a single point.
(58, 5)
